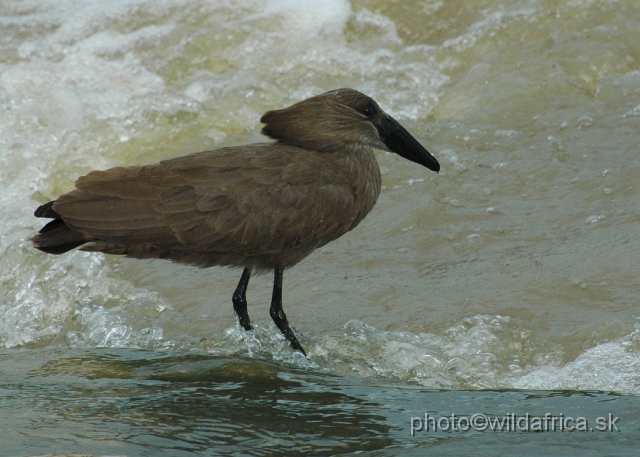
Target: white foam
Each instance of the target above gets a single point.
(306, 18)
(75, 297)
(612, 366)
(116, 327)
(301, 45)
(482, 27)
(365, 18)
(634, 112)
(480, 352)
(472, 354)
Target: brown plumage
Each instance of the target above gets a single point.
(260, 207)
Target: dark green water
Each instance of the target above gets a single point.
(141, 403)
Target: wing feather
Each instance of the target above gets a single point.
(253, 200)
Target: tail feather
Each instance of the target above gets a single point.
(47, 211)
(55, 237)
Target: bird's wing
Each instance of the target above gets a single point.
(254, 200)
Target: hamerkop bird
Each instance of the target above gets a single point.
(262, 206)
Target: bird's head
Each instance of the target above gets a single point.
(341, 118)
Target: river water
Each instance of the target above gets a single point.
(506, 284)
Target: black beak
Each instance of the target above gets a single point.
(398, 140)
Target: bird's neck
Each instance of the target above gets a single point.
(364, 176)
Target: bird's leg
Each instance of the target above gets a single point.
(240, 300)
(277, 313)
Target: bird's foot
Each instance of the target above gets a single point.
(280, 319)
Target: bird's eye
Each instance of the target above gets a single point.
(368, 110)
